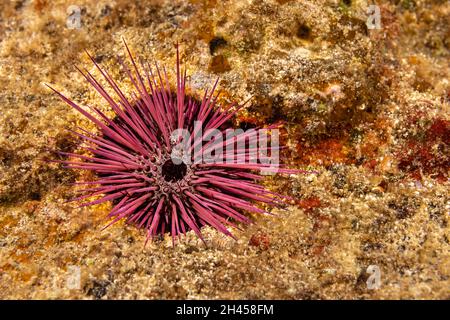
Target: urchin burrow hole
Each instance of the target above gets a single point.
(304, 31)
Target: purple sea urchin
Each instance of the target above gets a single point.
(144, 163)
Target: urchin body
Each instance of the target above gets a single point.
(133, 157)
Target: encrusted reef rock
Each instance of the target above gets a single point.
(366, 105)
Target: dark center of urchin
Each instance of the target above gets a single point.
(173, 172)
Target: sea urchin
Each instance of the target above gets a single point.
(163, 161)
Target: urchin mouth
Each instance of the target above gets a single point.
(173, 171)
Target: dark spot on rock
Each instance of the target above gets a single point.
(50, 28)
(35, 195)
(359, 161)
(304, 32)
(446, 240)
(437, 214)
(97, 288)
(371, 246)
(361, 280)
(421, 84)
(217, 43)
(191, 249)
(403, 208)
(105, 11)
(340, 181)
(19, 5)
(277, 113)
(99, 58)
(348, 3)
(65, 142)
(7, 157)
